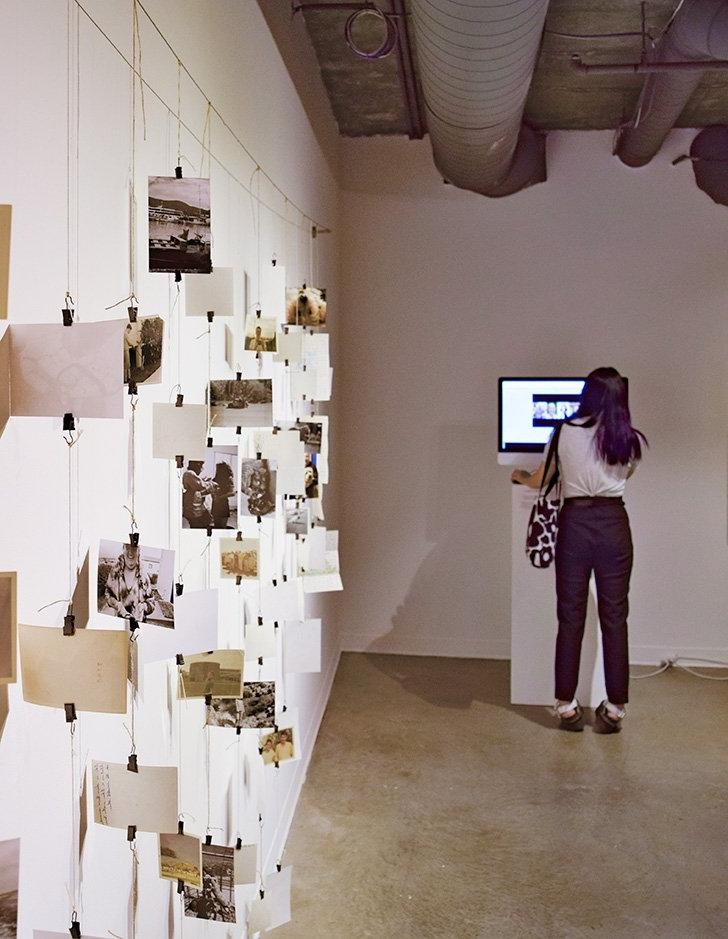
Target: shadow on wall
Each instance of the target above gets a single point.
(466, 510)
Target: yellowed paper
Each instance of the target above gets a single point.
(218, 673)
(6, 214)
(8, 626)
(87, 669)
(4, 379)
(147, 799)
(179, 431)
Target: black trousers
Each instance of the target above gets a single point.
(594, 535)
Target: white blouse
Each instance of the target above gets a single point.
(583, 472)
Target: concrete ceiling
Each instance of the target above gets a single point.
(367, 97)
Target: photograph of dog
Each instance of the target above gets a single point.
(305, 306)
(143, 350)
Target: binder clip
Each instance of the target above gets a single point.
(178, 588)
(177, 277)
(130, 832)
(285, 578)
(286, 363)
(180, 460)
(70, 710)
(209, 533)
(262, 893)
(260, 751)
(259, 519)
(180, 827)
(260, 660)
(178, 172)
(258, 311)
(67, 314)
(180, 886)
(75, 929)
(238, 376)
(69, 624)
(68, 422)
(210, 316)
(238, 579)
(208, 839)
(132, 311)
(238, 729)
(131, 763)
(208, 700)
(260, 620)
(180, 659)
(284, 708)
(274, 260)
(180, 399)
(258, 455)
(133, 626)
(132, 390)
(278, 866)
(275, 624)
(239, 536)
(275, 582)
(209, 441)
(238, 844)
(134, 538)
(237, 431)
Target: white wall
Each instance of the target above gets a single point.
(228, 47)
(445, 291)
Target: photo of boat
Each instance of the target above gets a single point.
(179, 225)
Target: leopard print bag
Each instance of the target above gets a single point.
(543, 522)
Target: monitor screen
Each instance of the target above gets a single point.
(529, 409)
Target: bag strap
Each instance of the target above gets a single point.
(551, 457)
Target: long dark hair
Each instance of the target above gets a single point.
(604, 403)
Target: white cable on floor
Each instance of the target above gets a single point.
(686, 668)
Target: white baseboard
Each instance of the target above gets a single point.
(290, 800)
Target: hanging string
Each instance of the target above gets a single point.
(75, 821)
(134, 885)
(206, 131)
(131, 509)
(179, 113)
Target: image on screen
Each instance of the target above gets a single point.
(531, 407)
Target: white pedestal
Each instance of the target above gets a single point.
(533, 623)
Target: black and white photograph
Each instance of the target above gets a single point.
(258, 487)
(143, 342)
(218, 673)
(311, 433)
(136, 582)
(297, 518)
(179, 225)
(310, 475)
(210, 490)
(256, 709)
(305, 306)
(239, 558)
(216, 899)
(241, 402)
(9, 874)
(260, 333)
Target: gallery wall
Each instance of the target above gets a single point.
(227, 46)
(447, 291)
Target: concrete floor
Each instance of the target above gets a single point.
(433, 808)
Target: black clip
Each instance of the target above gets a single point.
(68, 422)
(132, 387)
(238, 579)
(258, 455)
(210, 315)
(70, 710)
(180, 886)
(260, 660)
(208, 700)
(284, 708)
(237, 431)
(260, 751)
(209, 532)
(130, 832)
(260, 620)
(132, 311)
(131, 763)
(133, 625)
(178, 588)
(67, 314)
(275, 582)
(134, 538)
(177, 277)
(69, 624)
(286, 363)
(262, 893)
(180, 827)
(178, 172)
(180, 659)
(178, 402)
(238, 729)
(238, 376)
(259, 519)
(279, 866)
(239, 536)
(275, 624)
(180, 461)
(274, 260)
(209, 441)
(258, 311)
(238, 844)
(75, 929)
(208, 839)
(285, 578)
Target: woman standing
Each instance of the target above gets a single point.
(596, 451)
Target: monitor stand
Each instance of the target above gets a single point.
(533, 620)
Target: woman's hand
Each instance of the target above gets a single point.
(520, 476)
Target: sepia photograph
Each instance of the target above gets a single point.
(311, 433)
(241, 403)
(210, 491)
(258, 486)
(277, 747)
(215, 900)
(9, 875)
(218, 673)
(305, 306)
(180, 858)
(310, 476)
(143, 350)
(136, 582)
(297, 519)
(8, 626)
(255, 709)
(260, 333)
(179, 225)
(239, 558)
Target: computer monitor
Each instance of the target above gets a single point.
(529, 409)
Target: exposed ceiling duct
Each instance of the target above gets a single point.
(698, 33)
(476, 61)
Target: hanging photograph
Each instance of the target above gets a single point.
(6, 214)
(297, 518)
(9, 877)
(239, 558)
(147, 799)
(254, 710)
(305, 306)
(143, 350)
(210, 490)
(216, 898)
(218, 673)
(241, 403)
(8, 626)
(179, 225)
(210, 293)
(278, 747)
(258, 486)
(311, 475)
(311, 433)
(136, 582)
(180, 858)
(260, 334)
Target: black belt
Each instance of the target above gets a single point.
(594, 500)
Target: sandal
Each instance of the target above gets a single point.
(574, 722)
(604, 723)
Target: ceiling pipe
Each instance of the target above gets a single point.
(476, 61)
(697, 32)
